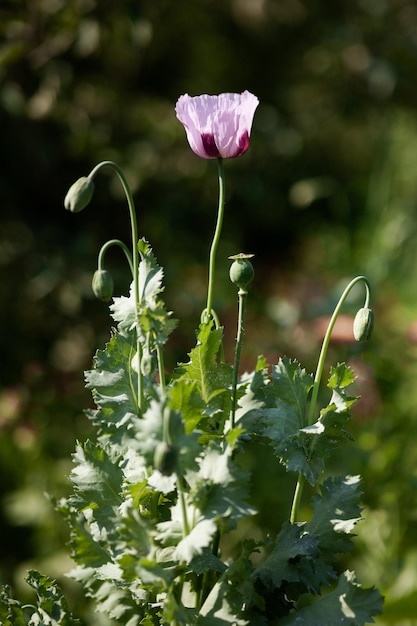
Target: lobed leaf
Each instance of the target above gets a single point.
(113, 383)
(293, 547)
(51, 607)
(348, 605)
(211, 378)
(304, 448)
(151, 320)
(336, 511)
(11, 612)
(97, 480)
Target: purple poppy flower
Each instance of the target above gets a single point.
(217, 126)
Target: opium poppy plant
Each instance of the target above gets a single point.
(217, 126)
(162, 480)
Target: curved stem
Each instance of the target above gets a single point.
(239, 341)
(319, 371)
(107, 245)
(216, 238)
(326, 340)
(135, 256)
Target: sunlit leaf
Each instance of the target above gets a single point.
(348, 605)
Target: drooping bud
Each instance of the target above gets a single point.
(363, 324)
(102, 285)
(79, 195)
(241, 271)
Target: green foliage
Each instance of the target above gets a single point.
(338, 131)
(51, 609)
(157, 492)
(348, 603)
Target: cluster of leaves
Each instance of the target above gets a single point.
(163, 483)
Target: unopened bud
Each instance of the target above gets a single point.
(363, 324)
(79, 195)
(241, 271)
(102, 285)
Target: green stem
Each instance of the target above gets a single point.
(181, 496)
(161, 368)
(135, 257)
(326, 340)
(216, 239)
(239, 341)
(107, 245)
(318, 376)
(207, 579)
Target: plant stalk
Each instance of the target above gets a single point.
(242, 295)
(216, 239)
(135, 260)
(318, 376)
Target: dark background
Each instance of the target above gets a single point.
(328, 189)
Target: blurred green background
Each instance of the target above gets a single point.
(328, 189)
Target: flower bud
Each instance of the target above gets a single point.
(102, 285)
(165, 458)
(363, 324)
(241, 271)
(79, 195)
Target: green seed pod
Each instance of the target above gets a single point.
(241, 271)
(363, 324)
(102, 285)
(79, 195)
(165, 459)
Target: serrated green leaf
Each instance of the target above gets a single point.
(11, 612)
(285, 418)
(184, 397)
(252, 401)
(291, 560)
(150, 319)
(220, 488)
(336, 511)
(52, 607)
(291, 384)
(97, 480)
(212, 379)
(348, 605)
(116, 602)
(304, 448)
(113, 382)
(341, 377)
(150, 274)
(85, 549)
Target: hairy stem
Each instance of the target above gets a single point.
(107, 245)
(135, 259)
(242, 294)
(318, 376)
(216, 239)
